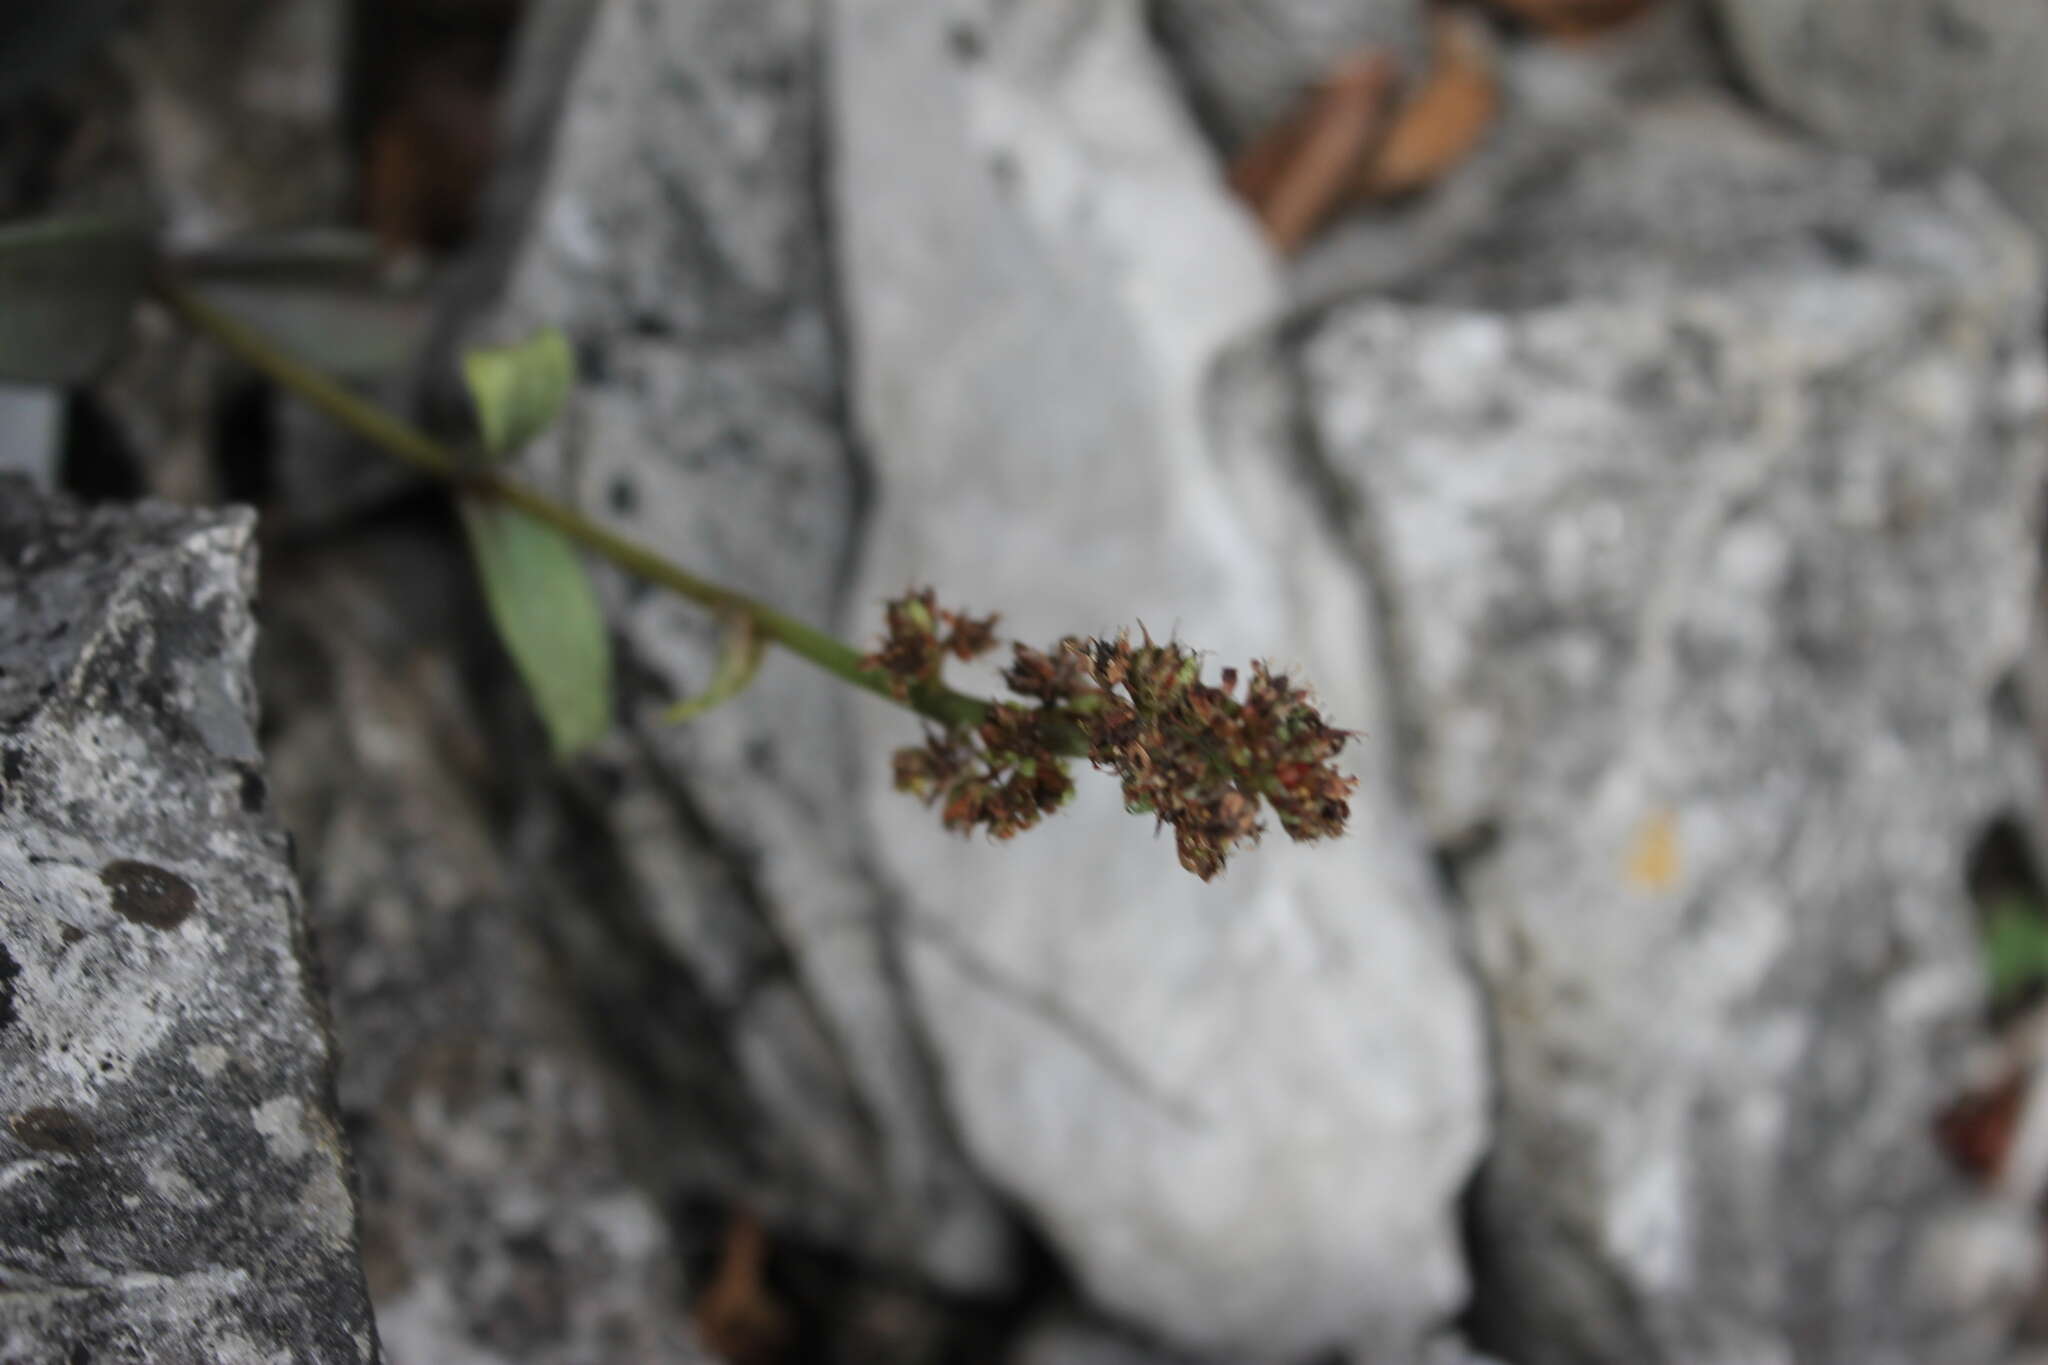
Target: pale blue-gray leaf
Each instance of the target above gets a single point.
(326, 297)
(67, 289)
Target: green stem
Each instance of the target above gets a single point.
(415, 447)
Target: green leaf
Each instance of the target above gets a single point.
(67, 288)
(2015, 946)
(738, 661)
(547, 614)
(519, 390)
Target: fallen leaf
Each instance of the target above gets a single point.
(1438, 126)
(1977, 1130)
(737, 1317)
(1574, 18)
(1653, 860)
(1298, 174)
(428, 87)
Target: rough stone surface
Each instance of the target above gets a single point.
(677, 233)
(210, 140)
(173, 1182)
(1244, 1111)
(1064, 1340)
(31, 433)
(1923, 84)
(245, 135)
(496, 1136)
(1699, 503)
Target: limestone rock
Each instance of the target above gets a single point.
(31, 433)
(1699, 499)
(176, 1181)
(498, 1129)
(1242, 1111)
(1921, 84)
(245, 135)
(1066, 1340)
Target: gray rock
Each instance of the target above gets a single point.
(1450, 1349)
(245, 135)
(1699, 499)
(1069, 1340)
(497, 1130)
(1242, 1111)
(677, 234)
(176, 1185)
(211, 140)
(31, 433)
(1922, 84)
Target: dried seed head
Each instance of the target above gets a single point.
(1200, 760)
(969, 637)
(1195, 757)
(1051, 678)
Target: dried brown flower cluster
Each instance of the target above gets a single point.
(1196, 757)
(921, 635)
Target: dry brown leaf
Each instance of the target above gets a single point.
(737, 1317)
(1574, 18)
(1654, 862)
(1977, 1130)
(1442, 122)
(1299, 173)
(428, 98)
(428, 159)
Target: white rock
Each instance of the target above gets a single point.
(1923, 84)
(1243, 1110)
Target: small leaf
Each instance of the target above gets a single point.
(67, 287)
(2015, 946)
(547, 614)
(738, 661)
(519, 390)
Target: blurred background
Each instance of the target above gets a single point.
(1629, 415)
